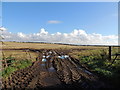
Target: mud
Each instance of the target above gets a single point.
(53, 69)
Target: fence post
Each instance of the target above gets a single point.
(110, 53)
(118, 49)
(5, 60)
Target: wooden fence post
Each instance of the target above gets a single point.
(118, 49)
(5, 60)
(29, 54)
(110, 53)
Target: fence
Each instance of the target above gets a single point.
(116, 55)
(9, 61)
(6, 62)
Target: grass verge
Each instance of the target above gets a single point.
(13, 65)
(99, 64)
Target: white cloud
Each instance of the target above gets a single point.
(3, 29)
(42, 31)
(20, 34)
(53, 22)
(75, 37)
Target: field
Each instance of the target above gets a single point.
(40, 65)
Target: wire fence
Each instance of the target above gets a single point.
(27, 53)
(7, 61)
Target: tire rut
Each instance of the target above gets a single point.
(53, 68)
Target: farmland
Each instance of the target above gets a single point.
(40, 65)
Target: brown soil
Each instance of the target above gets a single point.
(55, 72)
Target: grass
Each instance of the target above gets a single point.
(88, 52)
(20, 54)
(93, 57)
(14, 65)
(96, 64)
(99, 64)
(18, 45)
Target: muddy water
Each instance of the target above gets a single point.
(69, 72)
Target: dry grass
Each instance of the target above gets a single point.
(17, 45)
(20, 54)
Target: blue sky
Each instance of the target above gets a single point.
(29, 17)
(61, 0)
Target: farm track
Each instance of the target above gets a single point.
(53, 69)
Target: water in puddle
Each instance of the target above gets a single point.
(66, 56)
(85, 71)
(44, 60)
(43, 56)
(54, 52)
(51, 69)
(63, 56)
(50, 52)
(88, 72)
(47, 56)
(42, 64)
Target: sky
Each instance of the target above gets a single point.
(60, 0)
(65, 18)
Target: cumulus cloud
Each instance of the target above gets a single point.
(53, 22)
(2, 29)
(75, 37)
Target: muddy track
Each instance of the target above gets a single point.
(53, 68)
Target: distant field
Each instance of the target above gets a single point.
(17, 45)
(22, 54)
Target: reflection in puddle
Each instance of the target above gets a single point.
(63, 56)
(47, 56)
(54, 52)
(50, 52)
(43, 56)
(51, 69)
(87, 72)
(44, 60)
(42, 64)
(66, 56)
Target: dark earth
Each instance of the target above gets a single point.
(53, 69)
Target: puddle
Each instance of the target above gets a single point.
(66, 56)
(50, 52)
(42, 64)
(88, 72)
(47, 56)
(51, 69)
(59, 56)
(51, 59)
(80, 68)
(44, 60)
(63, 56)
(85, 71)
(54, 52)
(43, 56)
(37, 51)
